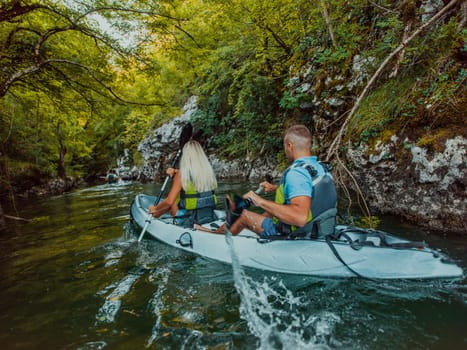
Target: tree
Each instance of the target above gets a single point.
(399, 50)
(63, 91)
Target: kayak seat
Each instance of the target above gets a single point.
(324, 224)
(204, 215)
(198, 216)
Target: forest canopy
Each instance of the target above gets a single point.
(81, 81)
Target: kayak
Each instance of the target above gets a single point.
(112, 178)
(349, 252)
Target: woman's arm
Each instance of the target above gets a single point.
(170, 200)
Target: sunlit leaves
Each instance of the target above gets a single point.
(111, 70)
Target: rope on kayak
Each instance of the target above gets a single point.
(358, 244)
(334, 250)
(383, 242)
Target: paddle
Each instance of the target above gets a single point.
(185, 135)
(246, 203)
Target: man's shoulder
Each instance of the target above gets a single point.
(312, 165)
(298, 182)
(298, 174)
(306, 165)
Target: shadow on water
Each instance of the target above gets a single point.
(75, 278)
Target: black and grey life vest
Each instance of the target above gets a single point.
(323, 203)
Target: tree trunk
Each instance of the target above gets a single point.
(328, 24)
(400, 56)
(464, 15)
(61, 171)
(2, 220)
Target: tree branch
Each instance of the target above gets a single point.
(328, 23)
(15, 218)
(99, 81)
(13, 9)
(333, 149)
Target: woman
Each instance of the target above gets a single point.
(191, 199)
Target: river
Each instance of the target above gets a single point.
(76, 278)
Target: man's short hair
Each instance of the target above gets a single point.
(299, 135)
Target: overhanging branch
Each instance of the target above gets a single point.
(333, 149)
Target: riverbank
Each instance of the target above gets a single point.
(31, 191)
(424, 186)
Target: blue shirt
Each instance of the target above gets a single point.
(298, 181)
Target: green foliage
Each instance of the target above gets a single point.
(245, 60)
(330, 56)
(382, 106)
(246, 123)
(291, 100)
(411, 100)
(363, 221)
(57, 97)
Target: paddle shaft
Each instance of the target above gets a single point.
(148, 219)
(174, 163)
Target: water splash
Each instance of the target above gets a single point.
(112, 258)
(94, 345)
(156, 302)
(129, 232)
(275, 315)
(108, 311)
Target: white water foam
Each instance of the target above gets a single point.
(108, 311)
(273, 313)
(94, 345)
(156, 302)
(113, 258)
(188, 340)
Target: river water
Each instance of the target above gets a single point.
(76, 278)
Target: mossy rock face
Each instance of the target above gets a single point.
(426, 185)
(427, 103)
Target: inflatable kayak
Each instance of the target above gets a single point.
(350, 251)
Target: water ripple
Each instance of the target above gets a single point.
(113, 301)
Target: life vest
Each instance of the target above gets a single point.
(199, 206)
(190, 199)
(323, 197)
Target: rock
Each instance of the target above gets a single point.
(124, 164)
(400, 178)
(159, 149)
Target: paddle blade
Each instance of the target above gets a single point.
(186, 133)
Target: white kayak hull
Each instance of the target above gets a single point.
(301, 257)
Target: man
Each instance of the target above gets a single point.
(290, 213)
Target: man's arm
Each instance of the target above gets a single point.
(268, 187)
(295, 213)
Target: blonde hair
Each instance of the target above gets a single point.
(299, 135)
(195, 168)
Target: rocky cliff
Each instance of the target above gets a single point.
(424, 186)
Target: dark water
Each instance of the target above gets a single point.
(75, 278)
